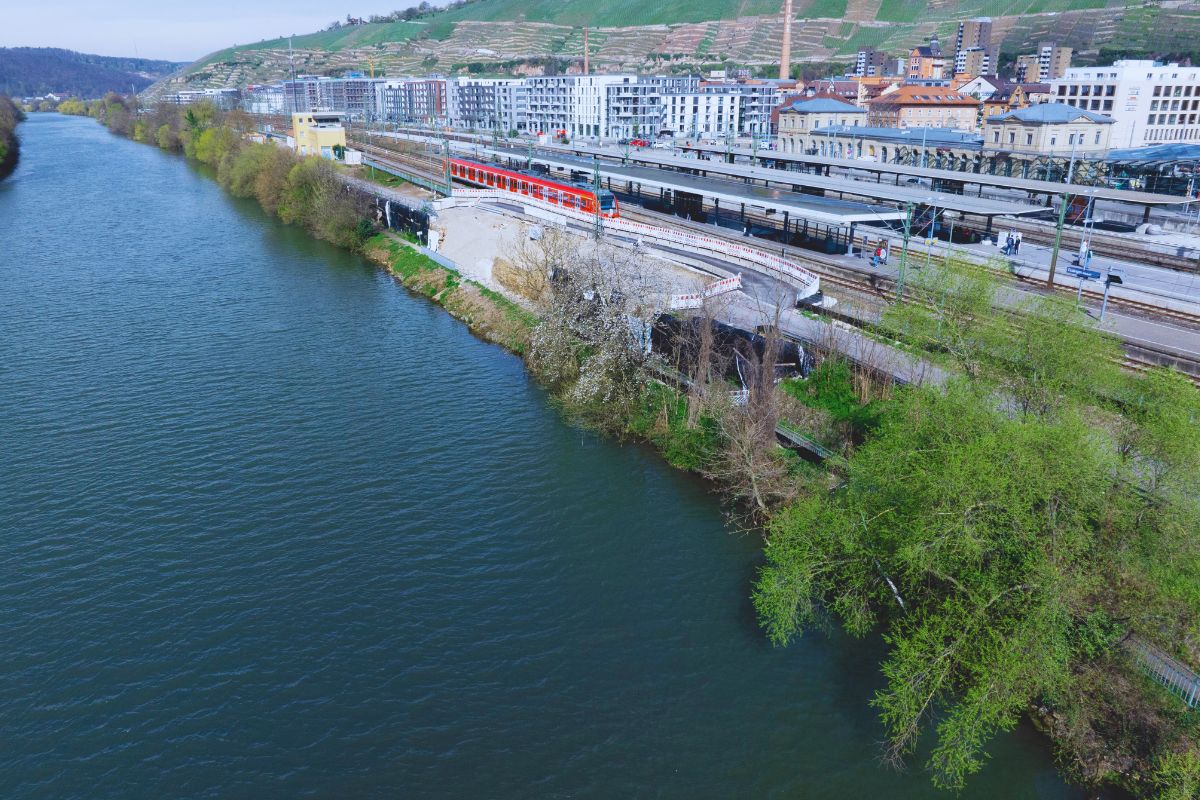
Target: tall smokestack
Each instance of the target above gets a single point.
(585, 49)
(785, 55)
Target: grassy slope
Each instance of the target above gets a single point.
(340, 39)
(619, 13)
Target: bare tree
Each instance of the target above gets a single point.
(597, 311)
(751, 464)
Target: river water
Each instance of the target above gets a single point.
(273, 527)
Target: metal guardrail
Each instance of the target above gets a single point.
(412, 177)
(1176, 677)
(808, 282)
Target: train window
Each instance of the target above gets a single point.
(552, 195)
(606, 202)
(524, 187)
(471, 173)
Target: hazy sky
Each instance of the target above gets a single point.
(178, 30)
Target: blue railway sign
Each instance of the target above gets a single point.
(1086, 274)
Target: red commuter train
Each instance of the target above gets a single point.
(576, 198)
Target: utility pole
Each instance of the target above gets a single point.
(596, 182)
(1062, 216)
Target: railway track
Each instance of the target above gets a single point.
(832, 271)
(1106, 244)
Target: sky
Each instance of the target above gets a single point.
(176, 30)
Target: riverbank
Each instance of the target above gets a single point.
(997, 548)
(488, 314)
(10, 146)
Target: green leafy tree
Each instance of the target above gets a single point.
(165, 137)
(1005, 530)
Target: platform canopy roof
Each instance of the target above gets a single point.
(730, 193)
(1031, 185)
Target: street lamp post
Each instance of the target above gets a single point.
(908, 209)
(596, 181)
(1062, 215)
(952, 216)
(930, 237)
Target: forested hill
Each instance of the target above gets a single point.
(530, 36)
(31, 71)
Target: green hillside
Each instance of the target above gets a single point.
(620, 13)
(523, 36)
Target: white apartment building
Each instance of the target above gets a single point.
(638, 108)
(571, 105)
(699, 115)
(1151, 103)
(756, 101)
(601, 106)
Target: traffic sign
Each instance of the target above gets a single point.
(1086, 274)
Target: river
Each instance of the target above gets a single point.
(273, 527)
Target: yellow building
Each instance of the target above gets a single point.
(1048, 129)
(317, 133)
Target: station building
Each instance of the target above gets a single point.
(798, 120)
(1048, 129)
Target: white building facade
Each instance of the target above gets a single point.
(571, 105)
(701, 115)
(1151, 103)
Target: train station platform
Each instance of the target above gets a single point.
(943, 177)
(731, 194)
(818, 184)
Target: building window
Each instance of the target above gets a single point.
(1097, 138)
(1053, 140)
(1157, 90)
(996, 137)
(1028, 138)
(1012, 137)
